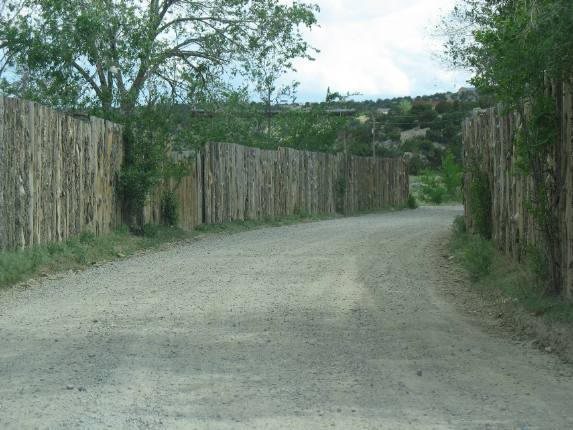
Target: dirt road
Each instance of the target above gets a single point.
(338, 324)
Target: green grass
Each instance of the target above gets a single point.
(239, 226)
(88, 249)
(80, 252)
(503, 279)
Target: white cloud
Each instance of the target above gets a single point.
(379, 48)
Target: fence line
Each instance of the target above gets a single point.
(248, 183)
(490, 146)
(57, 174)
(59, 177)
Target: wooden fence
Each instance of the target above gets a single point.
(373, 183)
(59, 177)
(57, 174)
(249, 183)
(489, 145)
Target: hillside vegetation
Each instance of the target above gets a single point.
(423, 129)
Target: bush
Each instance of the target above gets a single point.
(480, 204)
(459, 225)
(451, 174)
(412, 203)
(431, 189)
(538, 263)
(169, 209)
(340, 188)
(87, 237)
(150, 231)
(478, 257)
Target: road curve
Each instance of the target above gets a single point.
(337, 324)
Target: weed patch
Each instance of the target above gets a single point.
(518, 284)
(88, 249)
(412, 202)
(85, 250)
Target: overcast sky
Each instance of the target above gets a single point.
(379, 48)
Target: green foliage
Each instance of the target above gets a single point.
(114, 53)
(148, 140)
(459, 226)
(150, 231)
(85, 250)
(169, 209)
(86, 237)
(480, 203)
(478, 257)
(239, 226)
(145, 148)
(432, 189)
(515, 284)
(340, 187)
(412, 203)
(113, 56)
(538, 263)
(512, 46)
(405, 106)
(451, 173)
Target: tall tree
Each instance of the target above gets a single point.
(116, 53)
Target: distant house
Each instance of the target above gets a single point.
(383, 111)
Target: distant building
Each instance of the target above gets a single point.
(383, 111)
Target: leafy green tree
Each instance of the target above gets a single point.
(405, 106)
(115, 54)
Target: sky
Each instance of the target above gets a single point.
(378, 48)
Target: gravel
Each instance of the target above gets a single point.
(309, 326)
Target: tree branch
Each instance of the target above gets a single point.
(88, 78)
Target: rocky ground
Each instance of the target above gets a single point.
(348, 323)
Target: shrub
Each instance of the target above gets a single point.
(412, 203)
(538, 263)
(459, 225)
(451, 173)
(169, 209)
(431, 189)
(87, 237)
(480, 204)
(340, 187)
(150, 231)
(478, 257)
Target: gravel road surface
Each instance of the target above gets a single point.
(337, 324)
